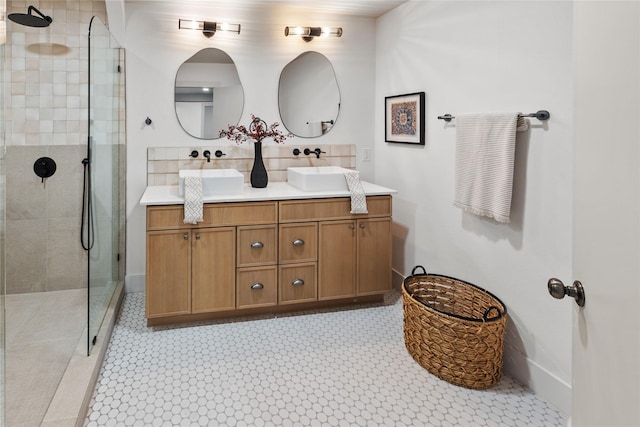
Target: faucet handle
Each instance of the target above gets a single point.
(194, 154)
(219, 153)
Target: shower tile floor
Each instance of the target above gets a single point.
(344, 367)
(42, 332)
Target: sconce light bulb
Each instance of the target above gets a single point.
(223, 26)
(328, 32)
(297, 31)
(186, 24)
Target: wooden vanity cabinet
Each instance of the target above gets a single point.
(354, 258)
(260, 257)
(191, 268)
(354, 250)
(188, 269)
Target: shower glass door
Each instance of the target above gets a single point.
(105, 154)
(3, 38)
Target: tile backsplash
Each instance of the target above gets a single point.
(163, 163)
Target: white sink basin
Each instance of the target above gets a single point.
(215, 182)
(320, 178)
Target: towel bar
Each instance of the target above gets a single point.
(540, 115)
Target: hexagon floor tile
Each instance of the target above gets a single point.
(345, 367)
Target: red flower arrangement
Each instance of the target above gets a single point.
(257, 131)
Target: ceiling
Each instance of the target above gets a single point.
(363, 8)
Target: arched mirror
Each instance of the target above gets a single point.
(208, 94)
(308, 95)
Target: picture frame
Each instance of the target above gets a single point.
(404, 118)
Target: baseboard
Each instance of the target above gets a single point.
(134, 283)
(396, 279)
(543, 383)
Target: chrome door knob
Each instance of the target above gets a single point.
(558, 290)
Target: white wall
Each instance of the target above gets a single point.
(481, 57)
(155, 49)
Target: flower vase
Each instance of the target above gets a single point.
(259, 178)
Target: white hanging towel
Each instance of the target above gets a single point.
(358, 198)
(485, 152)
(192, 199)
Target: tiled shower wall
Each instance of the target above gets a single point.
(46, 115)
(163, 163)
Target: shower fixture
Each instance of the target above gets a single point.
(31, 20)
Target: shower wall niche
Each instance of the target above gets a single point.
(46, 84)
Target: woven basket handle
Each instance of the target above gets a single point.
(413, 272)
(485, 316)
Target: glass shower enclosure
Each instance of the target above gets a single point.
(103, 199)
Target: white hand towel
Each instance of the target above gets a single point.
(358, 198)
(192, 199)
(485, 152)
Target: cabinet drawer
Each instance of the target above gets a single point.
(257, 245)
(256, 287)
(297, 283)
(214, 214)
(245, 213)
(328, 209)
(298, 242)
(165, 217)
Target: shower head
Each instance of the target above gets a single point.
(31, 20)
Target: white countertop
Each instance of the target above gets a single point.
(168, 194)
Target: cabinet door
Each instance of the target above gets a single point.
(168, 273)
(213, 269)
(298, 242)
(374, 256)
(297, 283)
(336, 259)
(257, 245)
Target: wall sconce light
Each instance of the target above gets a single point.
(309, 33)
(208, 28)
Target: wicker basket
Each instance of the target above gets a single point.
(454, 329)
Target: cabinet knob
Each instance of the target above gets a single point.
(298, 242)
(351, 226)
(197, 237)
(257, 286)
(361, 226)
(185, 237)
(298, 282)
(257, 245)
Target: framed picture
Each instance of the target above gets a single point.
(404, 118)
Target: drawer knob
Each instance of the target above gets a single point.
(257, 245)
(185, 237)
(257, 286)
(298, 282)
(298, 242)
